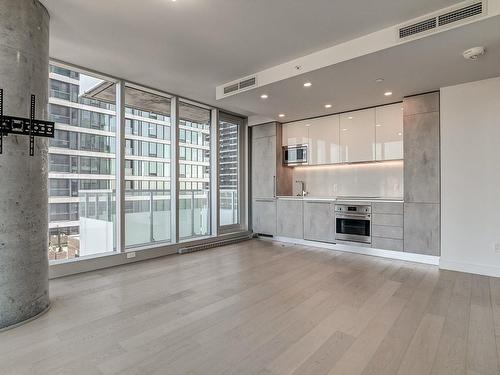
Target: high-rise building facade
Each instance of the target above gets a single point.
(82, 166)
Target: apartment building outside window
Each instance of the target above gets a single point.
(82, 167)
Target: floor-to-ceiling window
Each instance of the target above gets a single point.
(147, 167)
(174, 155)
(229, 169)
(194, 171)
(81, 165)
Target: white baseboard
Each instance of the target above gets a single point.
(399, 255)
(478, 269)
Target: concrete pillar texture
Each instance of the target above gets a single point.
(24, 41)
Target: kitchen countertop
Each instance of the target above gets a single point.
(342, 199)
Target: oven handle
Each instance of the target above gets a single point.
(352, 216)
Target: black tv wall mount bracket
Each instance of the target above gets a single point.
(24, 126)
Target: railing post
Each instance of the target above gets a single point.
(151, 213)
(232, 206)
(192, 214)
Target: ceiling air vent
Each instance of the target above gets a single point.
(460, 14)
(417, 28)
(247, 83)
(240, 85)
(231, 88)
(445, 18)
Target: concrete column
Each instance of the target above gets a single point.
(24, 42)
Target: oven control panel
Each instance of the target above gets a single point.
(353, 209)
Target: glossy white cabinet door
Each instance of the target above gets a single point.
(357, 136)
(389, 132)
(324, 140)
(295, 133)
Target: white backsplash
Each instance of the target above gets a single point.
(364, 180)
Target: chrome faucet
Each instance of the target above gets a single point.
(303, 191)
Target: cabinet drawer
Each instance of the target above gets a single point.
(387, 219)
(387, 244)
(387, 231)
(395, 208)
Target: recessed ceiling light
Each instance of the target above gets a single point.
(400, 133)
(308, 84)
(379, 80)
(388, 93)
(378, 125)
(344, 130)
(264, 96)
(307, 125)
(350, 117)
(328, 106)
(281, 115)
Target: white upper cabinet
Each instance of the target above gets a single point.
(389, 132)
(324, 140)
(357, 136)
(295, 133)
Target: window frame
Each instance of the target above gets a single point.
(120, 131)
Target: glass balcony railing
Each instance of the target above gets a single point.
(147, 217)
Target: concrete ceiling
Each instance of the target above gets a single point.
(188, 47)
(419, 66)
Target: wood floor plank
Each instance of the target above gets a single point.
(421, 353)
(482, 354)
(357, 357)
(452, 349)
(263, 307)
(389, 355)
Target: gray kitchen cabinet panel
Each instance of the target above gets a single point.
(319, 221)
(387, 219)
(395, 208)
(262, 131)
(264, 167)
(290, 219)
(387, 244)
(264, 216)
(422, 158)
(422, 228)
(424, 103)
(387, 231)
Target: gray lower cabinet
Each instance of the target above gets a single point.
(422, 228)
(388, 226)
(290, 221)
(319, 221)
(264, 216)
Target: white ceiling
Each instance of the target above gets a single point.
(419, 66)
(188, 47)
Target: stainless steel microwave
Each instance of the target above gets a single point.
(295, 155)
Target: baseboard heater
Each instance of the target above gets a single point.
(210, 245)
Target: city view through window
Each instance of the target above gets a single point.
(82, 167)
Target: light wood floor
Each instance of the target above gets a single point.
(263, 308)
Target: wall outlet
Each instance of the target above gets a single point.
(131, 255)
(497, 247)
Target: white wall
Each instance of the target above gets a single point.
(470, 177)
(364, 180)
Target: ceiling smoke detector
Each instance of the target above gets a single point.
(474, 53)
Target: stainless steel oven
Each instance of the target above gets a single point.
(295, 155)
(353, 223)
